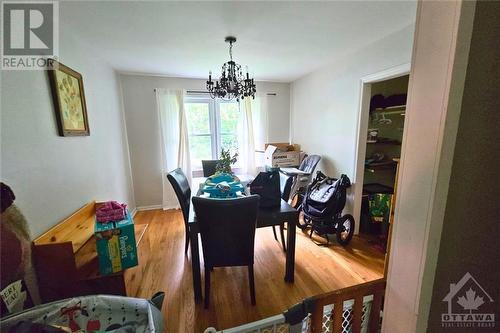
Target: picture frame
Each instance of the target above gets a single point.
(69, 100)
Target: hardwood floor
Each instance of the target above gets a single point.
(317, 270)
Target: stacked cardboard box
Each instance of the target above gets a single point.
(279, 155)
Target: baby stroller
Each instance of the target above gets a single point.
(322, 206)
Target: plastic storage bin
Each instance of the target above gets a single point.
(94, 313)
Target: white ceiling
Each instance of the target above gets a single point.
(279, 41)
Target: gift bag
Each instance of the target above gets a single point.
(267, 186)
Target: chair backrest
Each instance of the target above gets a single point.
(182, 190)
(209, 167)
(286, 182)
(309, 163)
(227, 228)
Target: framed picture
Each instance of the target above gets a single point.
(69, 101)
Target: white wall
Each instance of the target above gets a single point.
(144, 132)
(325, 103)
(52, 176)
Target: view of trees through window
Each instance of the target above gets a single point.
(212, 125)
(229, 117)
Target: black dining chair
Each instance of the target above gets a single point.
(209, 167)
(182, 190)
(227, 229)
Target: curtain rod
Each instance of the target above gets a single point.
(197, 92)
(190, 91)
(206, 92)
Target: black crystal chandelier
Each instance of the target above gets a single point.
(232, 84)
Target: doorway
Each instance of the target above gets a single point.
(380, 135)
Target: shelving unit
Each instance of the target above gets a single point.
(385, 129)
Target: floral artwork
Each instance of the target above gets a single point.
(69, 100)
(69, 94)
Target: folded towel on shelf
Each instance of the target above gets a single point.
(111, 211)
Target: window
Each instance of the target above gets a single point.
(212, 125)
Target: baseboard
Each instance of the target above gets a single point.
(134, 211)
(152, 207)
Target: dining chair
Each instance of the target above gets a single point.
(180, 184)
(227, 229)
(209, 167)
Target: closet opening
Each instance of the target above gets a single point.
(381, 131)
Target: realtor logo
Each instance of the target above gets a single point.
(468, 305)
(29, 34)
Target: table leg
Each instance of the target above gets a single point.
(290, 252)
(195, 265)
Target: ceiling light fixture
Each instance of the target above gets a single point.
(232, 84)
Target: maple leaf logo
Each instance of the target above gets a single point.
(470, 301)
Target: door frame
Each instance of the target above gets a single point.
(439, 65)
(362, 128)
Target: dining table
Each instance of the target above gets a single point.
(266, 217)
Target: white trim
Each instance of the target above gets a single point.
(390, 73)
(362, 127)
(151, 207)
(134, 211)
(439, 63)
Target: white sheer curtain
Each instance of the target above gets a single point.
(174, 140)
(246, 140)
(260, 127)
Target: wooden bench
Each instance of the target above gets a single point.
(67, 265)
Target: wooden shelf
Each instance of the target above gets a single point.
(82, 222)
(372, 167)
(384, 142)
(392, 108)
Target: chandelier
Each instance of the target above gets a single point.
(232, 84)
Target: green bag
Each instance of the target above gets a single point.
(379, 207)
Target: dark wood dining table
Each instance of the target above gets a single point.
(266, 217)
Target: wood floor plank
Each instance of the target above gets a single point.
(317, 270)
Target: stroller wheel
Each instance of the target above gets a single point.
(304, 221)
(345, 229)
(296, 201)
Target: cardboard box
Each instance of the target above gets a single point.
(284, 146)
(282, 155)
(116, 246)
